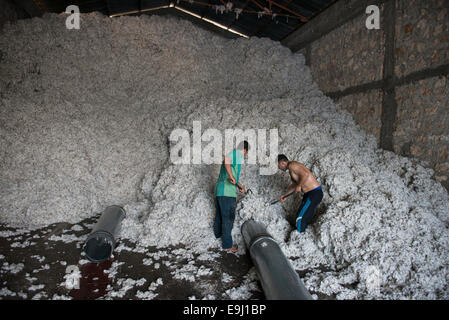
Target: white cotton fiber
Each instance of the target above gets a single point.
(85, 120)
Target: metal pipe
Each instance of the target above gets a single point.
(278, 278)
(101, 241)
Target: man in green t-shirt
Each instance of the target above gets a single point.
(226, 195)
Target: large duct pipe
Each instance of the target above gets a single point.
(101, 241)
(278, 278)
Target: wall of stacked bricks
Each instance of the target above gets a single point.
(422, 126)
(366, 110)
(348, 56)
(351, 56)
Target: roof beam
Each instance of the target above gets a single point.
(33, 8)
(331, 14)
(138, 11)
(301, 17)
(266, 24)
(210, 21)
(235, 19)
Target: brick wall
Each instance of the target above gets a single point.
(348, 56)
(394, 81)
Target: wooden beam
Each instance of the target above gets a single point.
(258, 4)
(35, 9)
(332, 3)
(262, 27)
(235, 19)
(301, 17)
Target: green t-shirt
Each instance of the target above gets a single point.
(223, 187)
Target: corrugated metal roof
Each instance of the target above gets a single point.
(263, 18)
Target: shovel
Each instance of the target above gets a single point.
(248, 191)
(276, 201)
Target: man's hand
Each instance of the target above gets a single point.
(232, 179)
(282, 199)
(242, 189)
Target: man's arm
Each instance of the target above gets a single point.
(292, 188)
(241, 188)
(227, 164)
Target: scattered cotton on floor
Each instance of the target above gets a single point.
(85, 120)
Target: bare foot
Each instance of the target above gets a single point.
(233, 249)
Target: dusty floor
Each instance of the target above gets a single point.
(86, 118)
(44, 278)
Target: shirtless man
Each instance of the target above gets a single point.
(302, 180)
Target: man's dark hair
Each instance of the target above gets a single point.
(244, 145)
(282, 157)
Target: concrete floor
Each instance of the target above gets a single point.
(30, 248)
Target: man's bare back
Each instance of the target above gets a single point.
(302, 177)
(302, 180)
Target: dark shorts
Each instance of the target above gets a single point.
(306, 211)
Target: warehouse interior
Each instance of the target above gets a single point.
(86, 116)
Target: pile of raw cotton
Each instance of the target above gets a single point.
(85, 120)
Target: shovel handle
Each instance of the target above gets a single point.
(276, 201)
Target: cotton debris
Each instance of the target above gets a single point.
(85, 119)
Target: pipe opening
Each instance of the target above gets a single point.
(99, 247)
